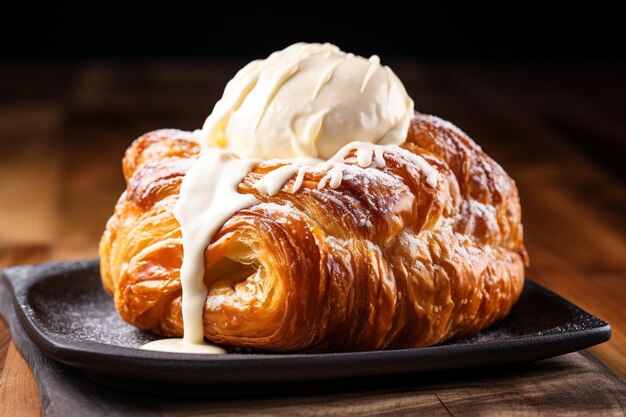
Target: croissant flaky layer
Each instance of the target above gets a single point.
(383, 261)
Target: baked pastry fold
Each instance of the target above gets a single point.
(383, 261)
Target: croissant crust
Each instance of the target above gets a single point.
(383, 261)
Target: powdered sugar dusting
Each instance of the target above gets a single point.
(365, 155)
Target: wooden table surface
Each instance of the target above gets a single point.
(556, 129)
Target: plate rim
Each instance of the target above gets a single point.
(118, 358)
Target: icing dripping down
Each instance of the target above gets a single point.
(208, 198)
(367, 155)
(273, 181)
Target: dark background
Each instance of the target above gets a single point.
(530, 52)
(544, 31)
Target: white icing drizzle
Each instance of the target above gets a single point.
(299, 179)
(273, 181)
(335, 175)
(367, 155)
(208, 198)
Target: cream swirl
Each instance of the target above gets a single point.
(308, 100)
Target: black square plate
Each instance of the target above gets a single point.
(67, 314)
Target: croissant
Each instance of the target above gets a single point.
(384, 261)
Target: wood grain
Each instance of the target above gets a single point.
(5, 341)
(18, 390)
(64, 128)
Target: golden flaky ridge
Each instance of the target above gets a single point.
(383, 261)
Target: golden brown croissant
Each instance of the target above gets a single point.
(383, 261)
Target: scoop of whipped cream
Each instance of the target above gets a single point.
(308, 100)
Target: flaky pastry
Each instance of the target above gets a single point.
(383, 261)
